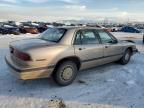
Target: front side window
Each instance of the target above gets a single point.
(53, 34)
(105, 37)
(86, 37)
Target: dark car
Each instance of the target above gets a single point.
(42, 27)
(6, 29)
(3, 30)
(130, 29)
(13, 30)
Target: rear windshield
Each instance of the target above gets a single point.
(53, 34)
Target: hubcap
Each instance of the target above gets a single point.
(67, 73)
(127, 56)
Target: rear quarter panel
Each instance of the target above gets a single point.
(50, 55)
(127, 45)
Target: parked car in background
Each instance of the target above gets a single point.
(42, 27)
(62, 52)
(29, 29)
(130, 29)
(33, 28)
(3, 30)
(115, 29)
(7, 29)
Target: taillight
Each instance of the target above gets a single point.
(22, 55)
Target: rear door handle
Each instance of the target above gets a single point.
(81, 49)
(107, 46)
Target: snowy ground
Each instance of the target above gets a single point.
(108, 86)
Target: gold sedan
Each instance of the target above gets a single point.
(62, 52)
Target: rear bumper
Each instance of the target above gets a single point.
(29, 73)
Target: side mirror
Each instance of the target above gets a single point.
(115, 41)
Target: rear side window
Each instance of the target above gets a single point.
(86, 37)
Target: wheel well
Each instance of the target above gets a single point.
(73, 59)
(130, 48)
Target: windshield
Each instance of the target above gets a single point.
(53, 34)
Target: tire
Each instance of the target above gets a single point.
(126, 57)
(65, 73)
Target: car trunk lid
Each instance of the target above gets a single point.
(32, 43)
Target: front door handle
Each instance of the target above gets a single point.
(106, 46)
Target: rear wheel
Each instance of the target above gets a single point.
(126, 57)
(65, 73)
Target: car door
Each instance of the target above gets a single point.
(112, 48)
(88, 48)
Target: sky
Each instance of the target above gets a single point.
(54, 10)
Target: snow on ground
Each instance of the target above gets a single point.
(108, 86)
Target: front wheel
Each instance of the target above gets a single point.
(126, 57)
(65, 73)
